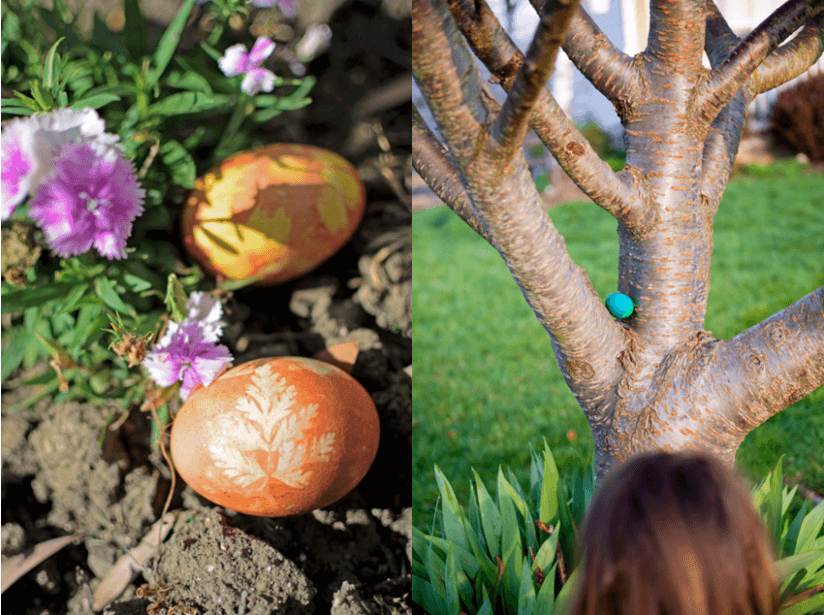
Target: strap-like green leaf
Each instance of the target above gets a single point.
(549, 488)
(810, 529)
(526, 597)
(452, 514)
(490, 518)
(168, 43)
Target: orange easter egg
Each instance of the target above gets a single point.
(277, 436)
(273, 213)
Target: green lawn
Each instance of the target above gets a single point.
(486, 384)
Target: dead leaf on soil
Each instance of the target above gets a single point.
(16, 566)
(340, 355)
(129, 565)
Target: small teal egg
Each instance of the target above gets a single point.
(619, 305)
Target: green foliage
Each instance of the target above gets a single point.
(142, 86)
(511, 553)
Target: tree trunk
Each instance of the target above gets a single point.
(656, 380)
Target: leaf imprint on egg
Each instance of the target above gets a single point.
(264, 438)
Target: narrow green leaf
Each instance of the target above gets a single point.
(424, 594)
(788, 566)
(564, 599)
(13, 352)
(176, 298)
(510, 535)
(490, 518)
(546, 554)
(549, 488)
(452, 515)
(180, 163)
(453, 602)
(12, 108)
(546, 595)
(181, 103)
(43, 97)
(134, 31)
(526, 597)
(168, 43)
(811, 606)
(20, 300)
(264, 115)
(108, 294)
(75, 295)
(486, 605)
(95, 101)
(52, 69)
(810, 528)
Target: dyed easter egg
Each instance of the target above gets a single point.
(277, 436)
(619, 305)
(272, 213)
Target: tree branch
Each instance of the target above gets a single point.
(792, 59)
(512, 123)
(676, 36)
(432, 162)
(720, 40)
(774, 363)
(610, 70)
(617, 193)
(447, 77)
(728, 77)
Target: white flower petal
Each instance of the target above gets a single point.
(261, 50)
(235, 61)
(258, 80)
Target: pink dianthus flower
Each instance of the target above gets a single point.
(90, 199)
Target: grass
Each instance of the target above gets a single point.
(486, 382)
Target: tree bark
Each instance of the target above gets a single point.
(656, 380)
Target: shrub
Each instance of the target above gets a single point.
(515, 553)
(798, 118)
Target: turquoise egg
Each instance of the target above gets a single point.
(619, 305)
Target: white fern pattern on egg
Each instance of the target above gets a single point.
(265, 421)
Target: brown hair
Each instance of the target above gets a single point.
(674, 534)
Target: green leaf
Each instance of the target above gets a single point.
(20, 300)
(546, 554)
(231, 285)
(168, 43)
(526, 598)
(549, 488)
(180, 163)
(510, 535)
(788, 566)
(94, 101)
(453, 603)
(11, 106)
(176, 298)
(546, 595)
(13, 352)
(486, 605)
(490, 518)
(424, 594)
(810, 528)
(264, 115)
(108, 294)
(452, 515)
(189, 80)
(181, 103)
(75, 295)
(134, 30)
(51, 65)
(811, 605)
(563, 601)
(44, 99)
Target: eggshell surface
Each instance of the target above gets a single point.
(277, 436)
(274, 212)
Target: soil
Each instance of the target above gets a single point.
(68, 472)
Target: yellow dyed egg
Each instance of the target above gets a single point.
(272, 213)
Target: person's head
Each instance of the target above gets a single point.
(674, 534)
